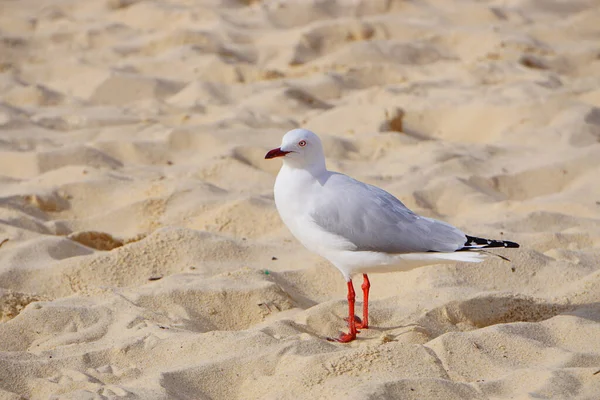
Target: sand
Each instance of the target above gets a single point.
(142, 256)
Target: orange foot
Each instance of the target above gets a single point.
(344, 338)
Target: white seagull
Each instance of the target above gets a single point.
(358, 227)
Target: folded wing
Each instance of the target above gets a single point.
(374, 220)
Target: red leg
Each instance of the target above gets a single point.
(364, 324)
(350, 336)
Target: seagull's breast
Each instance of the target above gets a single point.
(295, 193)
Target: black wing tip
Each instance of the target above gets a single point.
(473, 243)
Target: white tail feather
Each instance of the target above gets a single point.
(463, 256)
(406, 262)
(415, 260)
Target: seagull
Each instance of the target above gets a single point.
(357, 227)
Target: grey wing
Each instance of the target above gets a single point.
(374, 220)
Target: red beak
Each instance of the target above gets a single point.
(276, 153)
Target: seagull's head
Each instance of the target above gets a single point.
(300, 148)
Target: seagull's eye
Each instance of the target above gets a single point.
(302, 143)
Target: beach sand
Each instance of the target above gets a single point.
(142, 256)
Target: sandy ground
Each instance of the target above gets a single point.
(143, 257)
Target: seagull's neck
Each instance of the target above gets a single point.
(316, 169)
